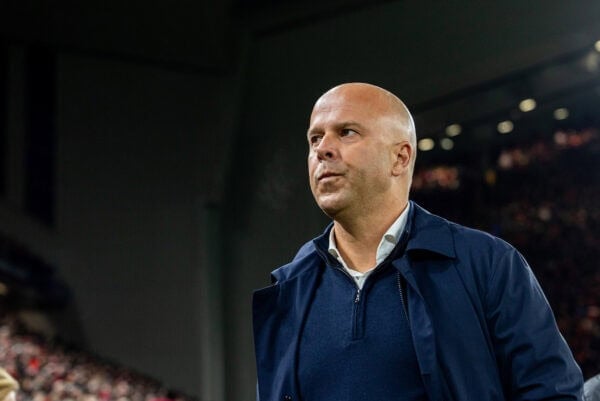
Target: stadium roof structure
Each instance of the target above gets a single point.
(461, 104)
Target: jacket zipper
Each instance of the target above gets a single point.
(356, 332)
(402, 299)
(356, 329)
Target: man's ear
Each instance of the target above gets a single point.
(403, 154)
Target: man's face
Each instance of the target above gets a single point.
(350, 151)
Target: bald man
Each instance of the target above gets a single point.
(392, 302)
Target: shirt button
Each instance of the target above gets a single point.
(287, 398)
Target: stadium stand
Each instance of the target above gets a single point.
(49, 371)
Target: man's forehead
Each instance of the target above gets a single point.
(354, 97)
(338, 107)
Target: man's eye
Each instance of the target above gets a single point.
(348, 132)
(314, 139)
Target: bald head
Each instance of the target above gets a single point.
(378, 100)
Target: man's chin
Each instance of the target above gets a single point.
(331, 208)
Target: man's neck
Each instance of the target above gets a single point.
(357, 239)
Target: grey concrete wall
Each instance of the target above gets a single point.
(140, 150)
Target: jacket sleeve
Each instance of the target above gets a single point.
(534, 360)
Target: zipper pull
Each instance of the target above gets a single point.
(357, 298)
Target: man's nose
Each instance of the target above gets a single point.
(327, 147)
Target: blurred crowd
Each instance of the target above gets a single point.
(544, 201)
(51, 372)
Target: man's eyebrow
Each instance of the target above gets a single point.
(313, 130)
(337, 126)
(349, 123)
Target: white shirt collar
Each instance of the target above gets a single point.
(386, 245)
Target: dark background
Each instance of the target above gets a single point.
(153, 156)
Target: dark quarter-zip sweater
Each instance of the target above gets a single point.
(356, 344)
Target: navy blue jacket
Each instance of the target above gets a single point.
(481, 326)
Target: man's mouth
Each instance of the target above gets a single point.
(328, 174)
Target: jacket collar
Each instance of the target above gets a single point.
(430, 233)
(425, 232)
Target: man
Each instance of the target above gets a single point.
(392, 302)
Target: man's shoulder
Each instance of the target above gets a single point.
(305, 259)
(478, 238)
(434, 229)
(477, 255)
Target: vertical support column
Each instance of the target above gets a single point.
(210, 301)
(3, 115)
(15, 128)
(40, 134)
